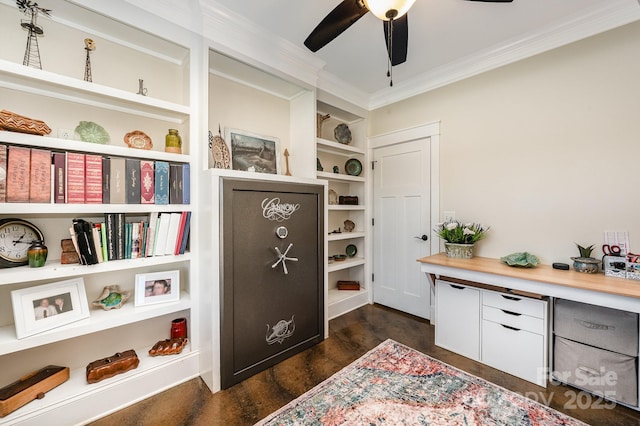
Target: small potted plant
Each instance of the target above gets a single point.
(459, 237)
(585, 263)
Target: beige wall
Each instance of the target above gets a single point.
(237, 106)
(546, 151)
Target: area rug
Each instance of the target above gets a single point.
(396, 385)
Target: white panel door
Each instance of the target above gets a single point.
(401, 196)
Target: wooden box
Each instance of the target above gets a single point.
(30, 387)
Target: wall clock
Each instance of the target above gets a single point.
(16, 236)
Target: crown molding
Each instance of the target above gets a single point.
(591, 22)
(234, 35)
(333, 85)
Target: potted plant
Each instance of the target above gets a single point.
(460, 237)
(585, 263)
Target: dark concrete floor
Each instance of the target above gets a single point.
(351, 336)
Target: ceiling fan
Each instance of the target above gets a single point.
(393, 14)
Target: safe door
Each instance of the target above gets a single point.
(272, 275)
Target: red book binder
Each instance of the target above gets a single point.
(59, 177)
(75, 177)
(93, 179)
(147, 189)
(18, 164)
(40, 176)
(3, 173)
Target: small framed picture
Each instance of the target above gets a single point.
(157, 287)
(252, 152)
(48, 306)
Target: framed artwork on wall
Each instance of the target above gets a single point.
(45, 307)
(252, 152)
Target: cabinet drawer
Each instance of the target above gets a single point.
(606, 328)
(458, 318)
(517, 352)
(597, 370)
(512, 319)
(515, 303)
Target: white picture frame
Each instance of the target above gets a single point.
(157, 287)
(49, 306)
(253, 152)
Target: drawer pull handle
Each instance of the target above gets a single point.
(589, 371)
(595, 326)
(511, 313)
(457, 287)
(511, 298)
(510, 328)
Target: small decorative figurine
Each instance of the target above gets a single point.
(119, 363)
(286, 158)
(168, 346)
(319, 167)
(89, 46)
(32, 51)
(336, 169)
(219, 151)
(319, 120)
(111, 298)
(141, 89)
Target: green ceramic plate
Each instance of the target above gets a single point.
(353, 167)
(524, 260)
(351, 250)
(92, 132)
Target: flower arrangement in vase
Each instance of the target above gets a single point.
(585, 263)
(460, 237)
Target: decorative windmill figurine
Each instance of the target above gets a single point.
(32, 51)
(89, 46)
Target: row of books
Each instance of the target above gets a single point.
(34, 175)
(118, 238)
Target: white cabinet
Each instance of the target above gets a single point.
(58, 95)
(458, 318)
(514, 335)
(332, 157)
(503, 330)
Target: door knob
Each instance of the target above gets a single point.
(423, 237)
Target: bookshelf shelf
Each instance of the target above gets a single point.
(55, 270)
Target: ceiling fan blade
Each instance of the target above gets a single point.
(399, 40)
(338, 20)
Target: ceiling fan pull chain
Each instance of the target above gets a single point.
(390, 43)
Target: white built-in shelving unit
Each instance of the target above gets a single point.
(127, 50)
(331, 153)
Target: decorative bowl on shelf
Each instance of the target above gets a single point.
(111, 298)
(353, 167)
(523, 259)
(339, 257)
(138, 139)
(88, 131)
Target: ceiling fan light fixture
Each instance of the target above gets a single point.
(383, 9)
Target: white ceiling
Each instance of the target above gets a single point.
(448, 39)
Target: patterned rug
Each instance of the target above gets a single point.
(396, 385)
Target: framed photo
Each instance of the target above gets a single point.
(252, 152)
(157, 287)
(48, 306)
